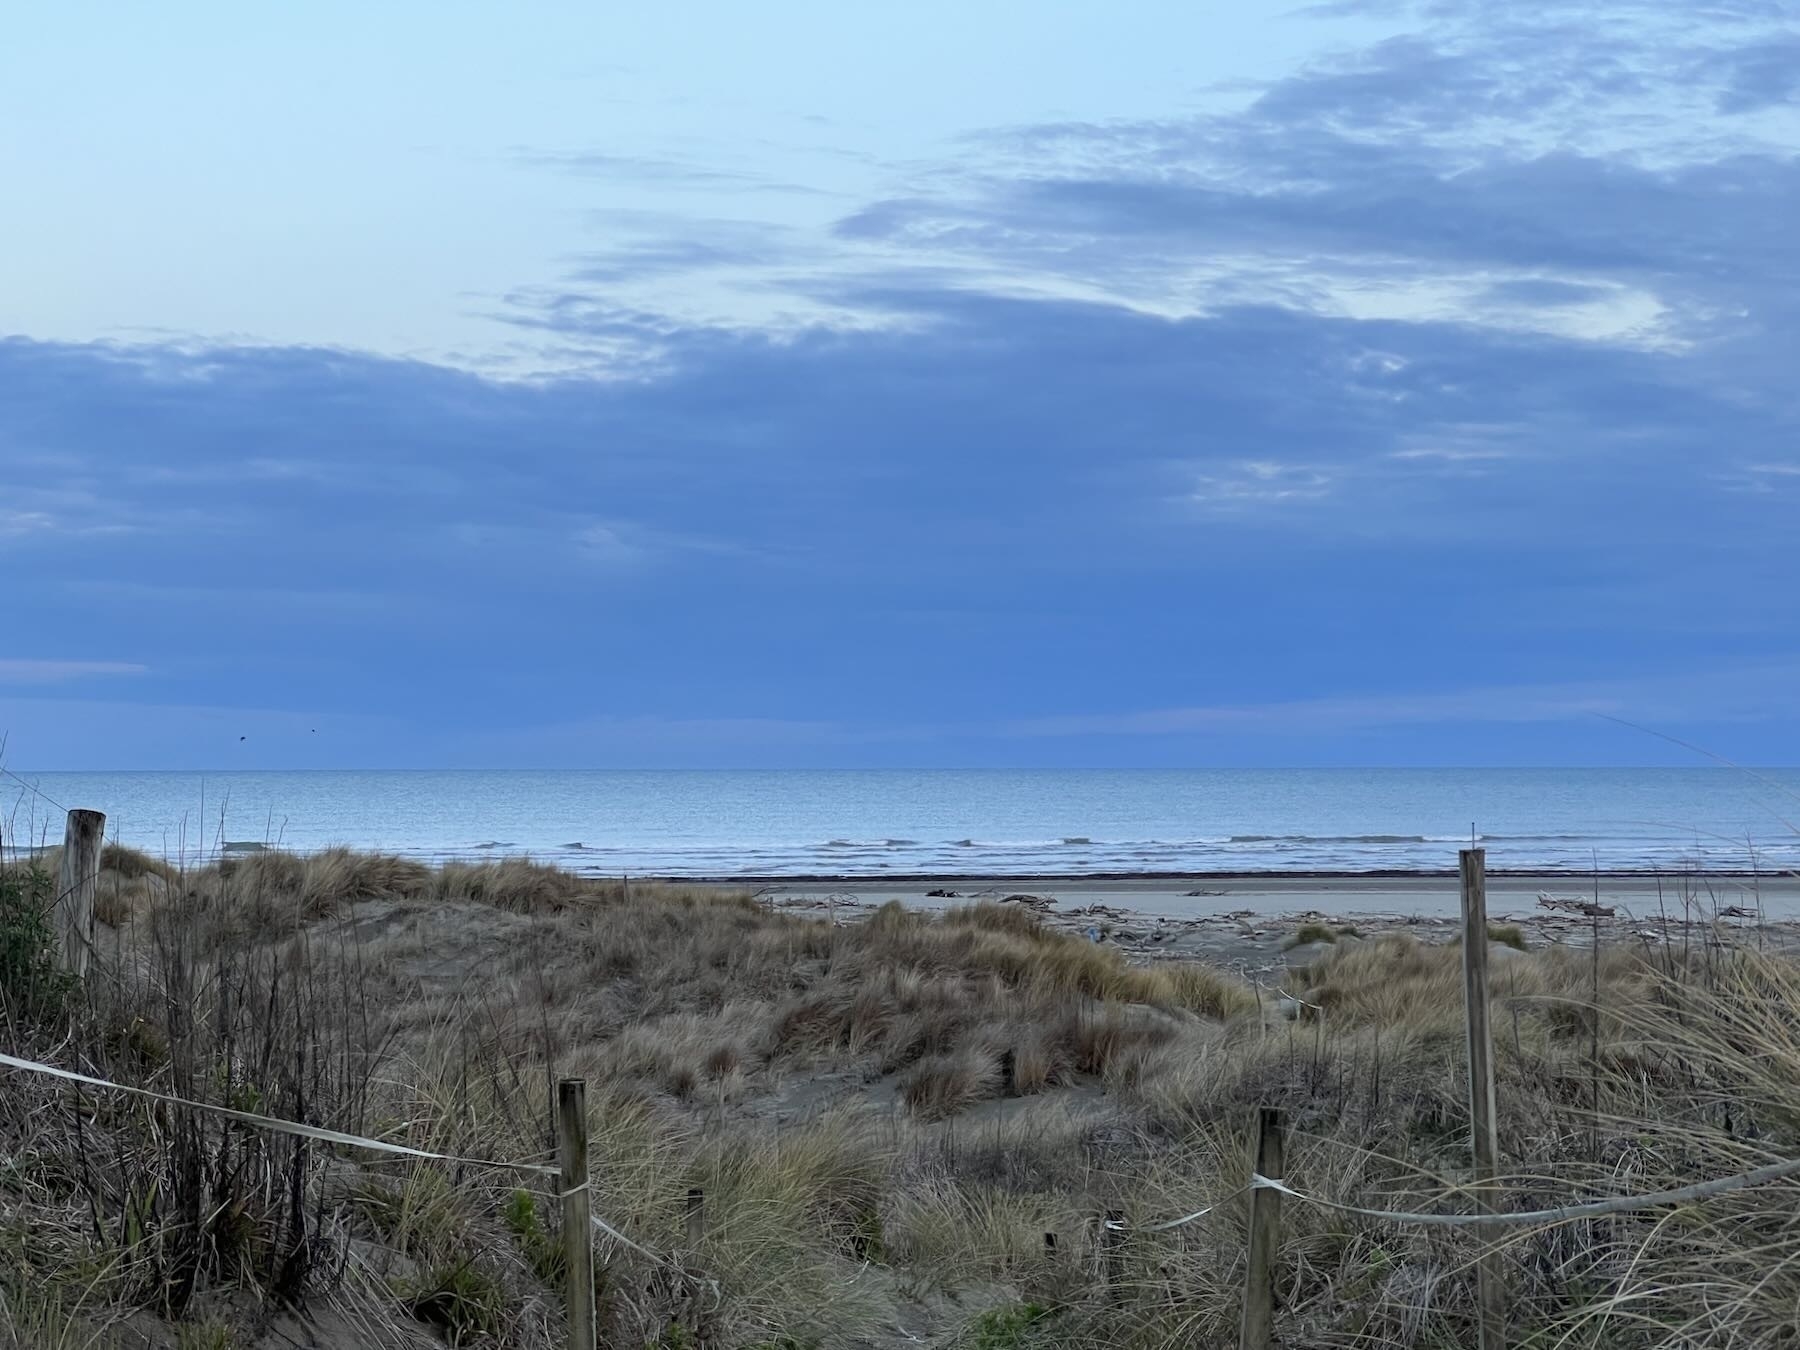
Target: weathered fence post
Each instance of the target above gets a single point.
(1112, 1252)
(1490, 1282)
(1258, 1326)
(577, 1210)
(76, 882)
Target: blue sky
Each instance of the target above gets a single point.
(850, 385)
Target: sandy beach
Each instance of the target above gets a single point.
(1248, 921)
(1273, 895)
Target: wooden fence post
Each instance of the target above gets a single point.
(577, 1210)
(1112, 1252)
(76, 882)
(1489, 1279)
(1258, 1326)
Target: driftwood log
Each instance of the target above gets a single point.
(1588, 909)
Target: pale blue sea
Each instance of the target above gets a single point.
(957, 822)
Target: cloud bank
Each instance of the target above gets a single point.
(1439, 375)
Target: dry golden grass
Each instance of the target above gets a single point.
(942, 1086)
(885, 1116)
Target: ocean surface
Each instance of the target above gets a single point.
(953, 822)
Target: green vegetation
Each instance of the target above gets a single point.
(461, 1301)
(540, 1249)
(1006, 1328)
(33, 987)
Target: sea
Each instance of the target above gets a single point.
(1038, 823)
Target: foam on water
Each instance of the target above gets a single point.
(977, 822)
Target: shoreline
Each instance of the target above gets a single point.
(1562, 876)
(1271, 895)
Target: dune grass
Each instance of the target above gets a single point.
(885, 1118)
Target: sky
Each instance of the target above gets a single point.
(567, 385)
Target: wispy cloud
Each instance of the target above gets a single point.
(21, 670)
(1449, 454)
(1469, 353)
(1759, 75)
(1712, 696)
(662, 171)
(18, 524)
(1557, 172)
(1250, 483)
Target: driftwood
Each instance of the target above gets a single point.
(1098, 912)
(1586, 908)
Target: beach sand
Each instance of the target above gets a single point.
(1246, 921)
(1276, 894)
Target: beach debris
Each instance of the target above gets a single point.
(1205, 892)
(1736, 912)
(1038, 902)
(1099, 911)
(1093, 934)
(940, 893)
(1586, 908)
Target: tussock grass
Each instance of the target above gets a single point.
(944, 1085)
(131, 863)
(53, 1318)
(885, 1117)
(1315, 931)
(1311, 932)
(1507, 935)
